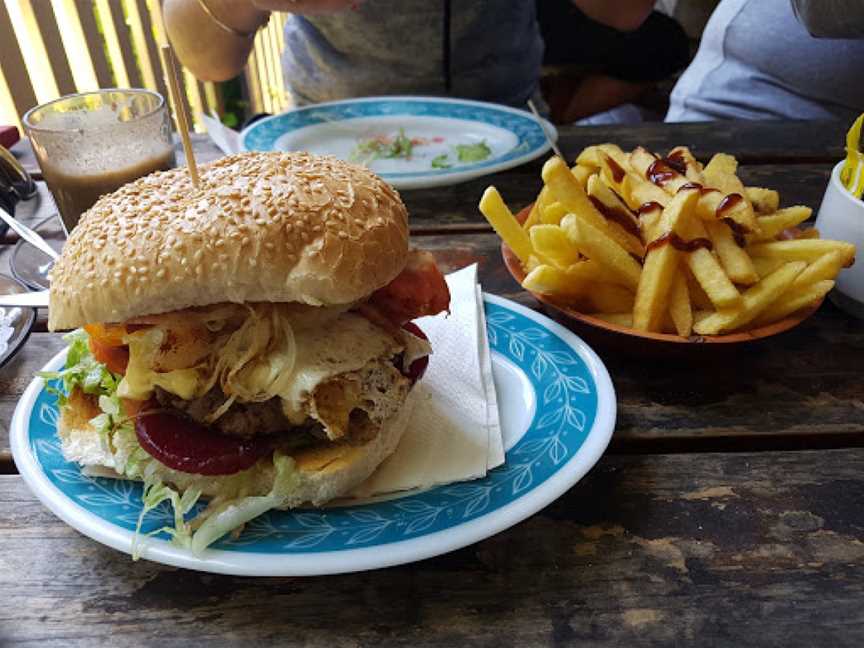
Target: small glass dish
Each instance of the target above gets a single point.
(15, 323)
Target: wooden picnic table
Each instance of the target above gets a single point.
(728, 510)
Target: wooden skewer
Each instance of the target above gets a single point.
(542, 123)
(179, 110)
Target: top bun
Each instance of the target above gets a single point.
(261, 227)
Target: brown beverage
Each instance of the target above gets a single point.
(90, 144)
(74, 193)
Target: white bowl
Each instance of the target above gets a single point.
(841, 217)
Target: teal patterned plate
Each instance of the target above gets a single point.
(557, 410)
(437, 126)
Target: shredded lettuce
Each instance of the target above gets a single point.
(155, 492)
(82, 371)
(233, 514)
(239, 499)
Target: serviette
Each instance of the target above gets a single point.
(454, 433)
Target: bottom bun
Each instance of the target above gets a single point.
(325, 472)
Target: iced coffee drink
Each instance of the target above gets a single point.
(90, 144)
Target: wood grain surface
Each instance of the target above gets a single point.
(744, 549)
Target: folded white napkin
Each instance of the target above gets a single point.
(227, 139)
(454, 433)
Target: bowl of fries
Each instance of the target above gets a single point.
(666, 249)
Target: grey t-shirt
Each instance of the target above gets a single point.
(397, 47)
(757, 61)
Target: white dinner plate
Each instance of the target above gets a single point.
(557, 410)
(438, 126)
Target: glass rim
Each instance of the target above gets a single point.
(25, 120)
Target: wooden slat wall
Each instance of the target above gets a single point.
(32, 48)
(81, 45)
(139, 43)
(87, 16)
(265, 81)
(152, 50)
(14, 73)
(75, 45)
(44, 14)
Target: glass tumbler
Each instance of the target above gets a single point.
(92, 143)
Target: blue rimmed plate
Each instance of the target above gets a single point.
(437, 126)
(557, 409)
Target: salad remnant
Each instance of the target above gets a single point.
(465, 153)
(473, 152)
(441, 162)
(400, 146)
(385, 147)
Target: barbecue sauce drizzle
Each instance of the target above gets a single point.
(729, 202)
(738, 231)
(678, 243)
(661, 171)
(647, 207)
(617, 172)
(617, 215)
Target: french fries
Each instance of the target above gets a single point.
(753, 302)
(735, 261)
(551, 242)
(680, 309)
(505, 224)
(598, 245)
(764, 201)
(808, 250)
(661, 264)
(663, 244)
(771, 225)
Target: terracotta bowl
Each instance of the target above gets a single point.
(600, 331)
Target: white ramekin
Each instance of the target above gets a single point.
(841, 217)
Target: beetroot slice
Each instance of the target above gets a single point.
(185, 445)
(418, 367)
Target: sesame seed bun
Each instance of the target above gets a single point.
(261, 227)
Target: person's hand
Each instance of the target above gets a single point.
(209, 51)
(307, 7)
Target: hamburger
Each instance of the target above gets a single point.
(247, 342)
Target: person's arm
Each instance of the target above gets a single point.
(213, 38)
(623, 15)
(831, 18)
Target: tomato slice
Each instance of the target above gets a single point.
(116, 358)
(185, 445)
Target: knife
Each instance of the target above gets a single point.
(28, 234)
(26, 300)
